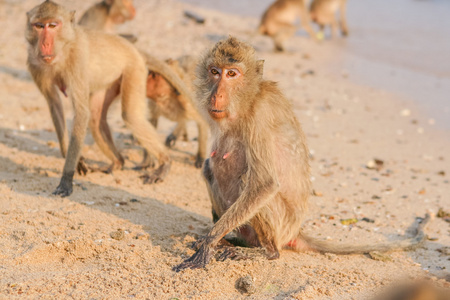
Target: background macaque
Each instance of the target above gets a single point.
(323, 12)
(168, 102)
(258, 171)
(278, 21)
(106, 14)
(92, 68)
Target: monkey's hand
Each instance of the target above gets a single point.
(171, 140)
(199, 260)
(82, 167)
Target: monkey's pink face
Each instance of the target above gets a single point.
(46, 32)
(157, 86)
(226, 79)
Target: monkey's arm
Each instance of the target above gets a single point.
(261, 186)
(80, 99)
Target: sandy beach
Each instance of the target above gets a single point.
(116, 238)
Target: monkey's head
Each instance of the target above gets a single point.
(121, 10)
(229, 77)
(49, 28)
(158, 88)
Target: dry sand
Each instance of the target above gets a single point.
(54, 248)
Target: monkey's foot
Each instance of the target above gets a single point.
(199, 260)
(231, 253)
(171, 140)
(64, 189)
(147, 162)
(158, 175)
(82, 167)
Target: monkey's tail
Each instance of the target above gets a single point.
(163, 68)
(407, 244)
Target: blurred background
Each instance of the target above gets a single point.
(402, 46)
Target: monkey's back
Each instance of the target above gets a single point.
(281, 11)
(322, 11)
(95, 17)
(124, 59)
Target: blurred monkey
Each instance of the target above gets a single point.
(278, 20)
(323, 12)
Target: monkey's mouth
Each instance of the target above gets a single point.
(48, 58)
(217, 114)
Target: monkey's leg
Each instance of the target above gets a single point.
(266, 235)
(334, 27)
(57, 113)
(284, 32)
(180, 130)
(202, 143)
(342, 17)
(239, 213)
(154, 113)
(322, 30)
(99, 105)
(80, 123)
(305, 22)
(134, 115)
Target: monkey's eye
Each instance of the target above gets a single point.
(52, 25)
(214, 71)
(38, 25)
(231, 73)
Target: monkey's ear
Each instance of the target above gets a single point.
(260, 67)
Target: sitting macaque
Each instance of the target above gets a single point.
(278, 20)
(323, 12)
(258, 174)
(92, 68)
(107, 14)
(166, 100)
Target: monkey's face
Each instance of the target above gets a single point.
(45, 31)
(158, 89)
(225, 80)
(49, 28)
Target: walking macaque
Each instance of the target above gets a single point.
(278, 20)
(323, 12)
(258, 171)
(91, 68)
(168, 102)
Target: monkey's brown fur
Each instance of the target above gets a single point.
(106, 14)
(92, 68)
(278, 20)
(323, 12)
(258, 173)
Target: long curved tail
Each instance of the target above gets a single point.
(407, 244)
